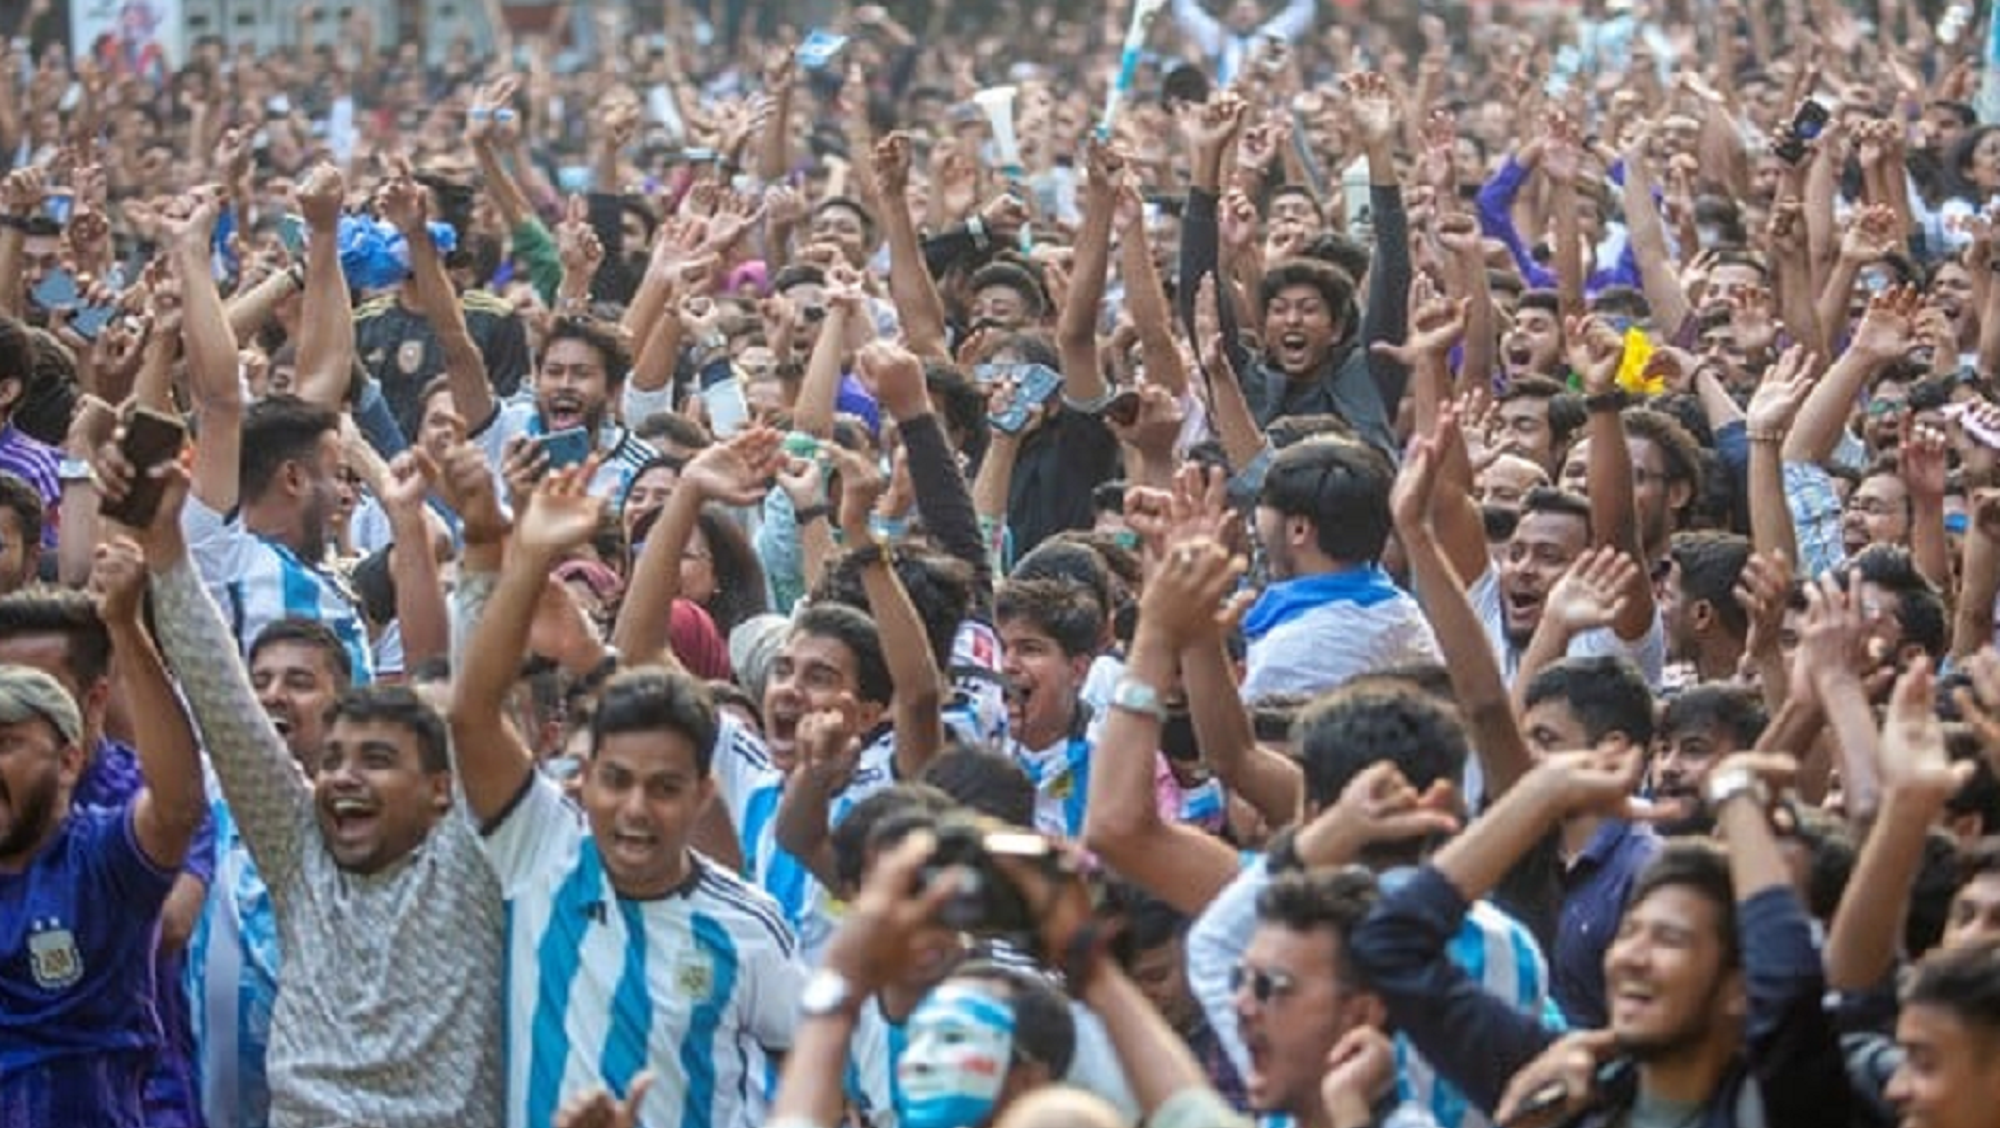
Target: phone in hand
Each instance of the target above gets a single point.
(820, 49)
(566, 448)
(1034, 385)
(88, 322)
(57, 292)
(1806, 126)
(151, 439)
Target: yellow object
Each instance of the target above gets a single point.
(1632, 368)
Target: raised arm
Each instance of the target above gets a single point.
(913, 669)
(1596, 350)
(735, 472)
(326, 321)
(420, 601)
(1475, 674)
(1648, 234)
(1178, 864)
(918, 308)
(1918, 780)
(1076, 324)
(1882, 337)
(493, 762)
(268, 795)
(846, 306)
(173, 804)
(405, 204)
(210, 351)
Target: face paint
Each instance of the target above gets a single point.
(961, 1045)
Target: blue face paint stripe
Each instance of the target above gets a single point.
(626, 1043)
(559, 959)
(698, 1047)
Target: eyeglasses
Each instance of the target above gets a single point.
(1880, 407)
(1264, 984)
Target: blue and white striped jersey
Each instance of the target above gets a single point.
(700, 986)
(751, 787)
(257, 581)
(232, 980)
(1062, 779)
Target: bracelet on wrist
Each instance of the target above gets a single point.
(1769, 438)
(1613, 400)
(806, 515)
(16, 222)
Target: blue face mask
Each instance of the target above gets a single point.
(961, 1047)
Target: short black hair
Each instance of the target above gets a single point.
(1014, 277)
(858, 633)
(1080, 563)
(397, 705)
(854, 835)
(1962, 981)
(17, 353)
(1606, 693)
(940, 587)
(860, 210)
(984, 781)
(1555, 499)
(312, 634)
(1336, 900)
(1335, 286)
(276, 430)
(1736, 709)
(652, 698)
(603, 338)
(1710, 564)
(42, 609)
(1919, 608)
(1699, 865)
(1067, 612)
(1342, 487)
(1344, 732)
(26, 502)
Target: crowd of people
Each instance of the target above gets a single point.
(1336, 564)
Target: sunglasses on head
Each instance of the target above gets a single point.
(1263, 984)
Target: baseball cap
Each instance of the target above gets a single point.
(28, 694)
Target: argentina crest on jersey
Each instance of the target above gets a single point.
(53, 957)
(694, 977)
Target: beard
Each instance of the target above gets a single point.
(32, 815)
(315, 524)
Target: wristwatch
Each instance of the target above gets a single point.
(828, 994)
(1135, 696)
(1726, 785)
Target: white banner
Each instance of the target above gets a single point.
(142, 37)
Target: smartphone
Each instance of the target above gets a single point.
(1035, 384)
(57, 292)
(58, 206)
(820, 49)
(89, 321)
(292, 235)
(566, 448)
(1806, 126)
(151, 439)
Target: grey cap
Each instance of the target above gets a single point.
(28, 694)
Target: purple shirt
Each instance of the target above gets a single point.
(37, 463)
(78, 1030)
(1496, 221)
(173, 1095)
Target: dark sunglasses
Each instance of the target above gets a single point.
(1264, 984)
